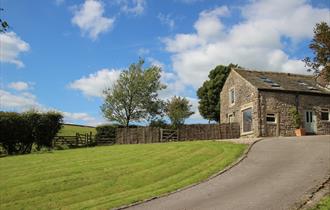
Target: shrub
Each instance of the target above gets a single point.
(105, 132)
(295, 117)
(18, 131)
(46, 128)
(15, 135)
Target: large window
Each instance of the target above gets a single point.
(325, 114)
(232, 96)
(247, 120)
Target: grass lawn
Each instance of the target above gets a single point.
(108, 176)
(324, 204)
(71, 130)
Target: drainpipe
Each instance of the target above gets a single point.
(259, 114)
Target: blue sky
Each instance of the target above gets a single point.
(60, 54)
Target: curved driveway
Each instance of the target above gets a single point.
(277, 173)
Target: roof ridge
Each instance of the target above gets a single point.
(273, 72)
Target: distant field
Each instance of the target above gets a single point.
(71, 130)
(108, 176)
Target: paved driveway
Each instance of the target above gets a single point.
(277, 173)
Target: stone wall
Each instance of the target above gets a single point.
(279, 103)
(246, 96)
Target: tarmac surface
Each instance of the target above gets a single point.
(277, 173)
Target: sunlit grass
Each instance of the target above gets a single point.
(109, 176)
(71, 130)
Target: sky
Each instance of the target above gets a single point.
(60, 54)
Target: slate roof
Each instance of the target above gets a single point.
(277, 81)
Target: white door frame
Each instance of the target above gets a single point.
(310, 121)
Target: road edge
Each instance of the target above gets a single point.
(238, 161)
(314, 195)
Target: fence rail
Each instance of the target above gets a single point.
(79, 140)
(184, 133)
(143, 135)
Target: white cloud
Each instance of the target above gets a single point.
(155, 62)
(196, 116)
(19, 86)
(254, 42)
(166, 20)
(89, 18)
(71, 116)
(11, 46)
(135, 7)
(143, 51)
(94, 84)
(22, 101)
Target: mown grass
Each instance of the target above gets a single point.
(324, 204)
(71, 130)
(109, 176)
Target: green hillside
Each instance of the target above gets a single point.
(71, 130)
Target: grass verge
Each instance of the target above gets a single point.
(324, 204)
(109, 176)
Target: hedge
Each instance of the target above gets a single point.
(19, 131)
(105, 132)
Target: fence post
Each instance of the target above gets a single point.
(77, 136)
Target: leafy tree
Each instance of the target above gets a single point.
(178, 110)
(134, 96)
(3, 24)
(209, 93)
(320, 45)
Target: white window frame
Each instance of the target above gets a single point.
(275, 117)
(322, 110)
(242, 121)
(231, 115)
(230, 96)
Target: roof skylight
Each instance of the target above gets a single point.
(270, 82)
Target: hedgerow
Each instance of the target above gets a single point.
(19, 131)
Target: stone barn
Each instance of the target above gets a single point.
(260, 101)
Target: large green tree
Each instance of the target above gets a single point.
(134, 96)
(320, 45)
(209, 92)
(178, 109)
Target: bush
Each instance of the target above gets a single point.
(19, 131)
(295, 117)
(15, 135)
(105, 132)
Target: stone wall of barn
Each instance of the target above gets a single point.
(279, 103)
(246, 96)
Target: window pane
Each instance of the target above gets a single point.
(307, 117)
(325, 116)
(270, 118)
(232, 96)
(247, 120)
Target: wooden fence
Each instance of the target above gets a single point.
(185, 133)
(79, 140)
(139, 135)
